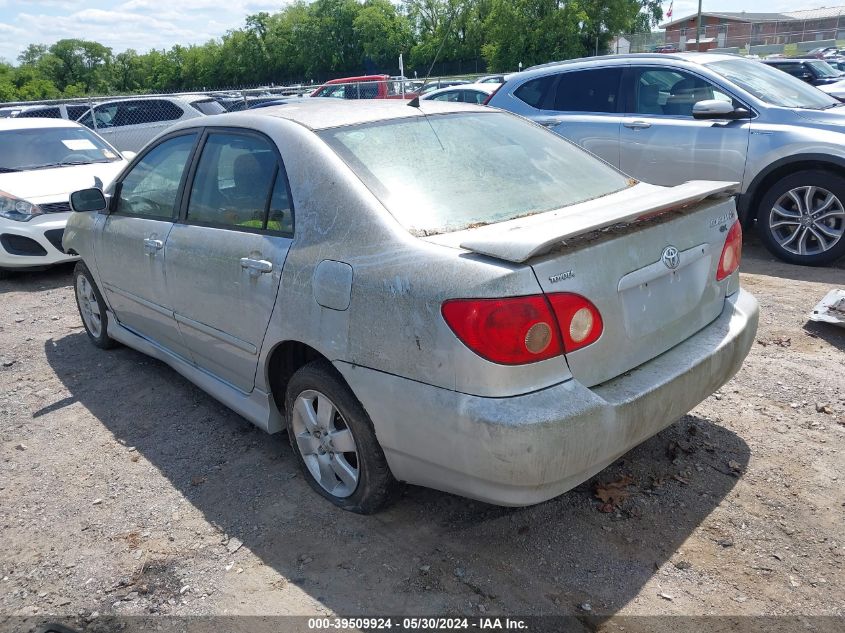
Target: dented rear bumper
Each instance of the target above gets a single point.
(526, 449)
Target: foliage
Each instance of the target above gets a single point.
(313, 41)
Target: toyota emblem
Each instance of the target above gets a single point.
(671, 257)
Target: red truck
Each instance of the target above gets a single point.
(366, 87)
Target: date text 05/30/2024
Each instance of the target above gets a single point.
(414, 624)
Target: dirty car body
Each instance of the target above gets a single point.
(502, 343)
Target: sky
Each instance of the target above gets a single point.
(146, 24)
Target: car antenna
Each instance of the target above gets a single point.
(415, 102)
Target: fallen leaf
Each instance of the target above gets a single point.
(613, 493)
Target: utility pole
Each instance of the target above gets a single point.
(698, 30)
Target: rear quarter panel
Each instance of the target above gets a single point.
(393, 322)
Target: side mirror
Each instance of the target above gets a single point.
(129, 155)
(716, 109)
(806, 77)
(88, 200)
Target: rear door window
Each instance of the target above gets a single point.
(233, 182)
(588, 90)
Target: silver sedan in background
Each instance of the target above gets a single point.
(446, 295)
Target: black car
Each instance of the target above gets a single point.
(816, 72)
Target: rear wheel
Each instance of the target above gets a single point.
(334, 442)
(802, 218)
(92, 308)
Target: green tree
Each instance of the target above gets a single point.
(32, 54)
(383, 33)
(80, 61)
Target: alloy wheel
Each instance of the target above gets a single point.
(807, 220)
(88, 306)
(326, 444)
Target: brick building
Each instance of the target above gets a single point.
(722, 29)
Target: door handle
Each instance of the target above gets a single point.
(256, 266)
(151, 245)
(637, 125)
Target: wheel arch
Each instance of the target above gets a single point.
(750, 200)
(283, 361)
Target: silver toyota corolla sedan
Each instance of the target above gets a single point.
(445, 295)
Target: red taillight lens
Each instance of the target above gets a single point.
(511, 331)
(580, 321)
(731, 253)
(490, 96)
(520, 330)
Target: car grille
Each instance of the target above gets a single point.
(55, 207)
(54, 236)
(20, 245)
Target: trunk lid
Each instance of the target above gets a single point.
(611, 251)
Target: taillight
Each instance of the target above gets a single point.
(731, 253)
(580, 321)
(511, 331)
(520, 330)
(490, 96)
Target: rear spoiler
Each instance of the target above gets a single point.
(521, 239)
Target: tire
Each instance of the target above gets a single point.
(324, 417)
(92, 308)
(811, 235)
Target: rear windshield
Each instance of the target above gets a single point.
(208, 106)
(449, 172)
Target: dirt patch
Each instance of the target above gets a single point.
(124, 490)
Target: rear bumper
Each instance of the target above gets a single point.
(33, 244)
(526, 449)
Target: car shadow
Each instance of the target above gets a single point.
(430, 552)
(833, 334)
(48, 279)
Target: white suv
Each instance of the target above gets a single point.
(129, 124)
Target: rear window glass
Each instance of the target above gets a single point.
(449, 172)
(208, 106)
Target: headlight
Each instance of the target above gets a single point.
(14, 208)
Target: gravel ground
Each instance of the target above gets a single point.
(124, 490)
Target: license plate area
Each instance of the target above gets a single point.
(656, 295)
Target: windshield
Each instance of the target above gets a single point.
(53, 146)
(823, 69)
(441, 173)
(772, 86)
